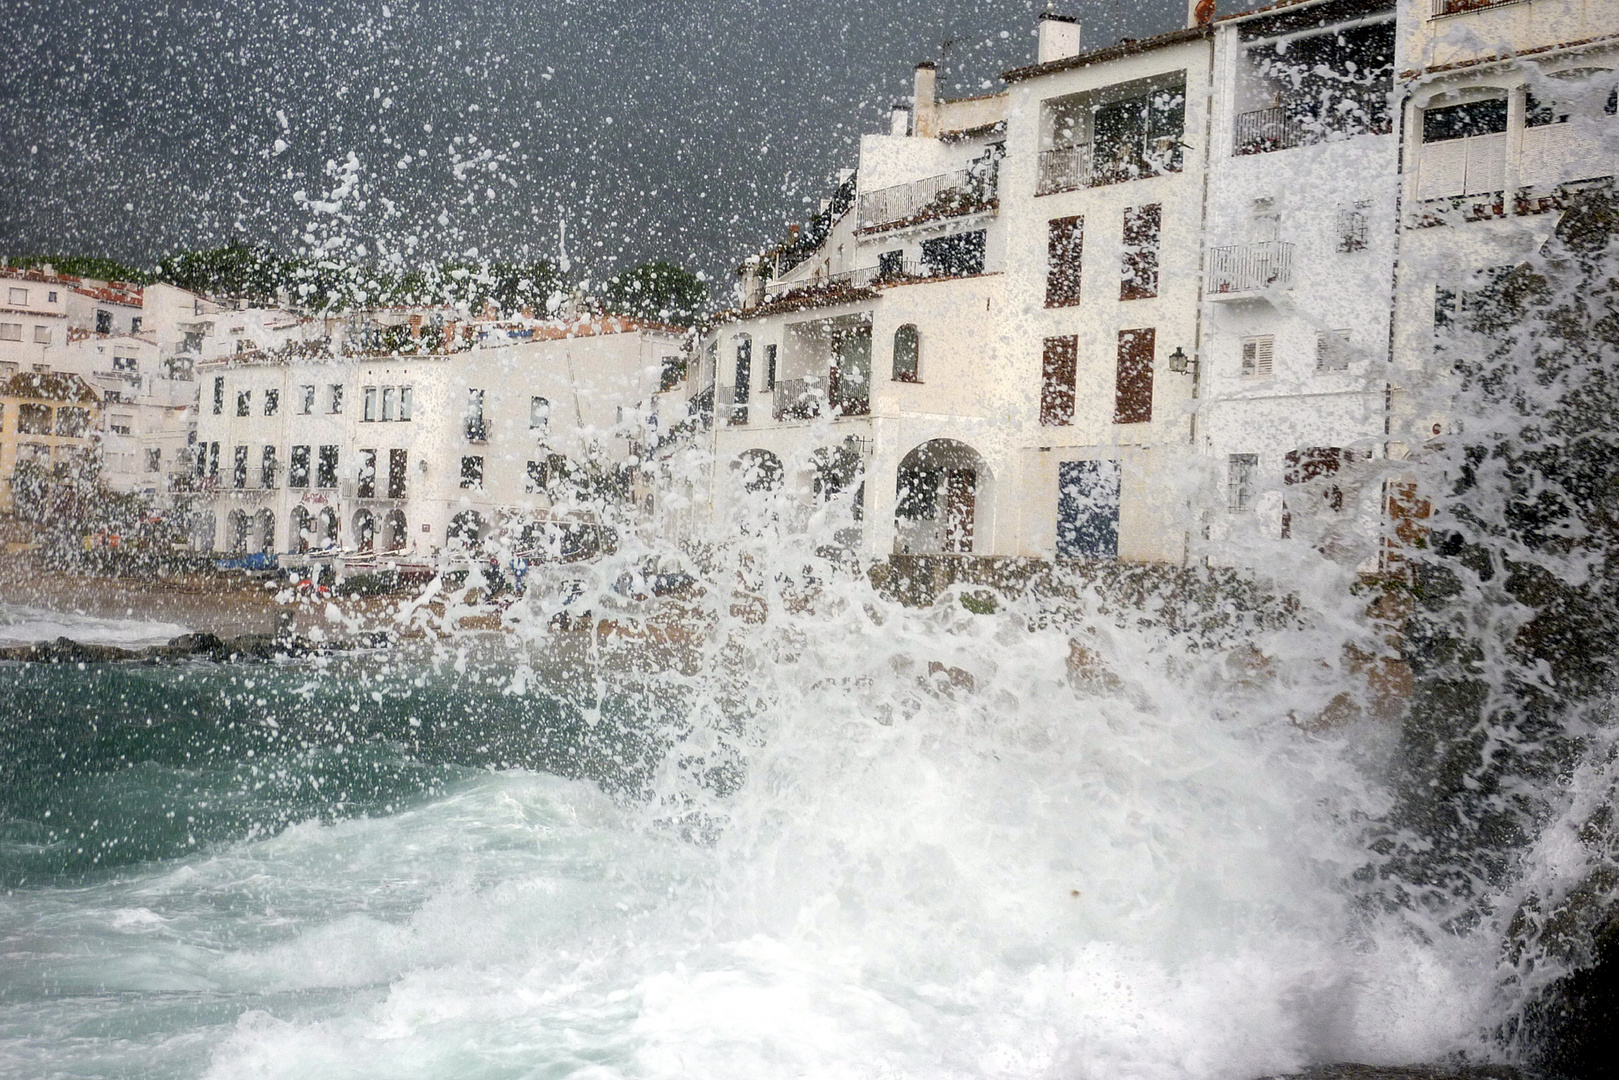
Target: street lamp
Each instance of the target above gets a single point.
(1180, 363)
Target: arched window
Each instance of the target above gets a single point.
(907, 353)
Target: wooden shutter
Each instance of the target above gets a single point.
(1258, 356)
(1132, 402)
(1139, 279)
(1057, 371)
(1065, 239)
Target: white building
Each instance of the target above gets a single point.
(419, 454)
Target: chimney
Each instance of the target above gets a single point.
(924, 107)
(1199, 13)
(753, 285)
(1059, 37)
(899, 118)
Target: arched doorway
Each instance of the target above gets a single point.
(326, 528)
(236, 532)
(466, 529)
(266, 530)
(942, 493)
(759, 470)
(301, 532)
(393, 531)
(365, 530)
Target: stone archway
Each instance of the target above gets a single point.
(265, 530)
(326, 527)
(942, 500)
(300, 536)
(365, 530)
(237, 527)
(394, 533)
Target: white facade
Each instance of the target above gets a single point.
(419, 455)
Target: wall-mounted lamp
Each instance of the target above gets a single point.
(1180, 363)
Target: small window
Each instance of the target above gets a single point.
(112, 397)
(1352, 227)
(368, 412)
(154, 459)
(42, 335)
(390, 403)
(267, 468)
(1065, 239)
(472, 473)
(10, 331)
(366, 488)
(272, 402)
(336, 398)
(19, 296)
(103, 322)
(1139, 265)
(1242, 471)
(770, 368)
(891, 265)
(397, 460)
(1258, 356)
(135, 325)
(907, 353)
(672, 369)
(298, 468)
(219, 395)
(539, 414)
(404, 402)
(244, 403)
(472, 422)
(238, 474)
(50, 297)
(536, 477)
(1058, 370)
(128, 364)
(1465, 121)
(326, 471)
(306, 400)
(1332, 350)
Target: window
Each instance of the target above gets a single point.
(244, 402)
(213, 459)
(326, 468)
(129, 364)
(368, 411)
(1241, 475)
(50, 297)
(539, 414)
(404, 403)
(272, 402)
(135, 324)
(1139, 266)
(1465, 121)
(890, 265)
(306, 400)
(267, 467)
(1258, 356)
(112, 397)
(19, 296)
(42, 335)
(1058, 367)
(1332, 350)
(1352, 227)
(536, 477)
(366, 488)
(33, 419)
(154, 459)
(770, 368)
(1139, 136)
(1064, 245)
(219, 395)
(476, 431)
(907, 353)
(397, 460)
(10, 331)
(238, 475)
(472, 472)
(961, 255)
(118, 425)
(336, 398)
(72, 422)
(390, 404)
(1132, 395)
(671, 370)
(298, 468)
(103, 322)
(744, 377)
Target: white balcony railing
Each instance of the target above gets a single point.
(951, 194)
(1064, 169)
(798, 399)
(1243, 269)
(1441, 8)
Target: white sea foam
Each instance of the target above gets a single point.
(20, 625)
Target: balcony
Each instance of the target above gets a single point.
(951, 194)
(798, 399)
(1246, 269)
(1064, 169)
(1071, 168)
(1264, 130)
(1441, 8)
(728, 407)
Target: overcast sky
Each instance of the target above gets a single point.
(655, 128)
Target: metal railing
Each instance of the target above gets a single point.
(1441, 8)
(798, 399)
(728, 408)
(951, 194)
(1264, 130)
(1067, 168)
(1250, 268)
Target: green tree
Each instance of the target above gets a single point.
(657, 292)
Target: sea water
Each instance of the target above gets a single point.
(861, 840)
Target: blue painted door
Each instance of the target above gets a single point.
(1087, 510)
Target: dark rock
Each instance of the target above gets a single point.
(1354, 1071)
(66, 651)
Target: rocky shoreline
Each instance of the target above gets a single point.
(243, 647)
